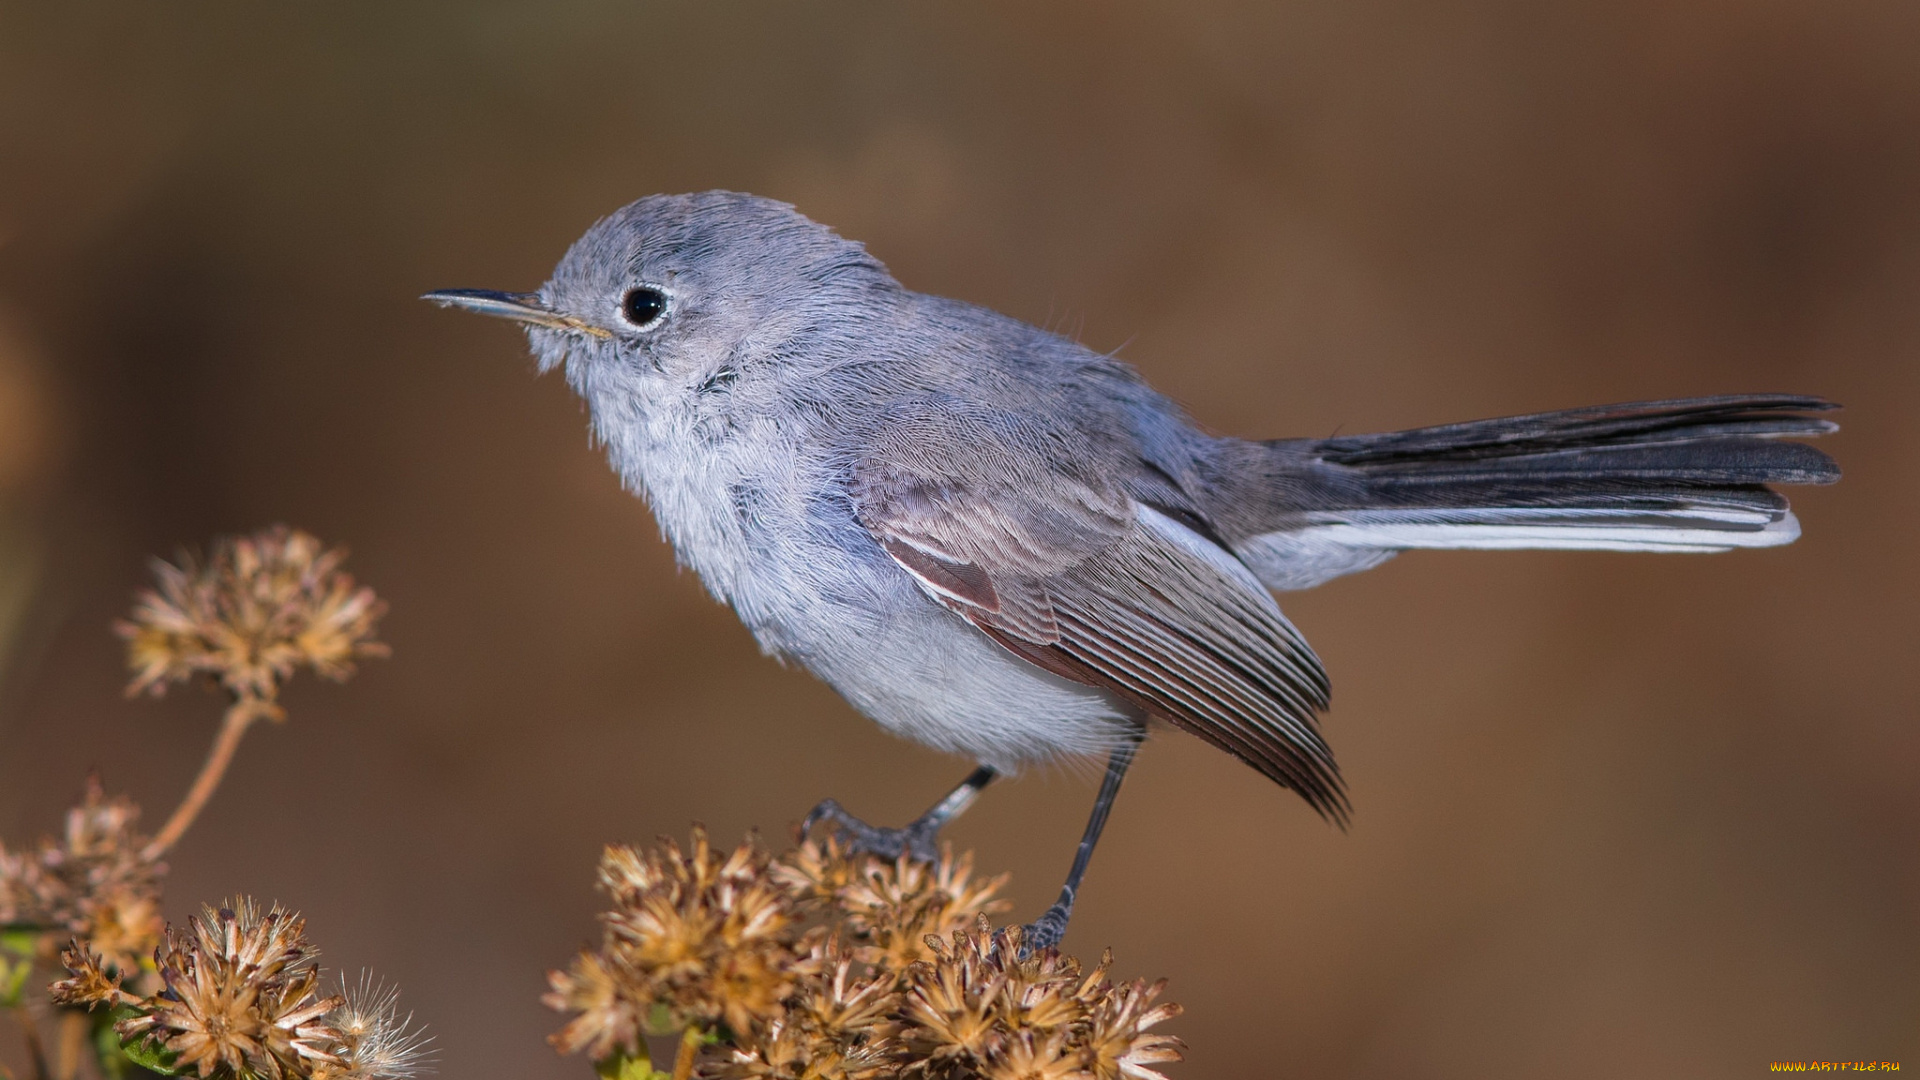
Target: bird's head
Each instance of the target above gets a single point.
(673, 291)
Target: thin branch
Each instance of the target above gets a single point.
(690, 1041)
(30, 1034)
(70, 1044)
(240, 715)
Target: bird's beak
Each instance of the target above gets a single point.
(518, 306)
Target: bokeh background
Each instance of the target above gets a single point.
(1615, 814)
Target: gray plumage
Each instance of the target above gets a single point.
(997, 542)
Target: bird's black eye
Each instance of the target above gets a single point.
(644, 306)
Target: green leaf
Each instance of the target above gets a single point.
(114, 1063)
(13, 981)
(148, 1055)
(20, 940)
(125, 1055)
(661, 1021)
(620, 1065)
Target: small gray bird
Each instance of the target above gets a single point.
(997, 542)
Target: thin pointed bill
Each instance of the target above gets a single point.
(520, 307)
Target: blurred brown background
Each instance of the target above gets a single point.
(1616, 814)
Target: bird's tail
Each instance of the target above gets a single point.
(1686, 475)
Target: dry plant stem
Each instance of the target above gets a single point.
(72, 1042)
(30, 1034)
(240, 715)
(690, 1041)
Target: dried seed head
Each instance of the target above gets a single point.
(88, 984)
(259, 608)
(836, 1026)
(711, 939)
(823, 965)
(123, 926)
(374, 1041)
(888, 908)
(1116, 1036)
(980, 1008)
(240, 998)
(95, 881)
(611, 1006)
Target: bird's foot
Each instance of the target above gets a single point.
(1046, 931)
(918, 841)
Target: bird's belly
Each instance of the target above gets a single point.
(923, 672)
(932, 677)
(816, 590)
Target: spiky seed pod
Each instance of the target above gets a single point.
(257, 609)
(756, 946)
(123, 926)
(1034, 1055)
(373, 1040)
(981, 1008)
(240, 998)
(610, 1007)
(95, 882)
(88, 985)
(837, 1026)
(712, 939)
(1117, 1032)
(888, 908)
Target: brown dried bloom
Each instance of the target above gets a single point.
(372, 1040)
(837, 1026)
(259, 608)
(611, 1004)
(88, 984)
(888, 909)
(979, 1009)
(1117, 1038)
(240, 998)
(240, 1002)
(96, 881)
(709, 938)
(123, 928)
(695, 941)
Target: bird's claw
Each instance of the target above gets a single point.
(1046, 931)
(918, 841)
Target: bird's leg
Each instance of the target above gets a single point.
(918, 838)
(1050, 927)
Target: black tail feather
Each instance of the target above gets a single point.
(1727, 439)
(1658, 450)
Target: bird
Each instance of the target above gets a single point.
(1000, 543)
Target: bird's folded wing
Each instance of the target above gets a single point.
(1072, 574)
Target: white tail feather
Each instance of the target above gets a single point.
(1328, 544)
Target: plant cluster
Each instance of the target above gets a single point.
(820, 964)
(245, 618)
(826, 965)
(239, 997)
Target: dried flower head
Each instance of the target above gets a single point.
(1116, 1039)
(980, 1008)
(241, 998)
(823, 965)
(96, 881)
(888, 908)
(838, 1025)
(240, 1001)
(708, 938)
(373, 1041)
(88, 984)
(260, 607)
